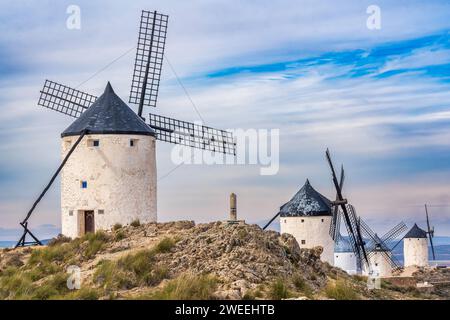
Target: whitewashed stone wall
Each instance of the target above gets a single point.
(346, 261)
(380, 265)
(311, 232)
(415, 251)
(121, 181)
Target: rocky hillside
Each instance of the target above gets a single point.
(181, 260)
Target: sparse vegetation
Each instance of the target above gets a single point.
(60, 239)
(95, 243)
(279, 290)
(141, 265)
(341, 290)
(135, 223)
(302, 286)
(186, 287)
(117, 226)
(165, 245)
(120, 235)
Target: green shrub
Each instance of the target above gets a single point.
(187, 287)
(15, 286)
(165, 245)
(301, 285)
(341, 290)
(41, 270)
(96, 242)
(135, 223)
(53, 287)
(55, 253)
(278, 290)
(120, 235)
(111, 277)
(130, 271)
(117, 226)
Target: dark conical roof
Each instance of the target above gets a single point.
(109, 115)
(416, 232)
(306, 202)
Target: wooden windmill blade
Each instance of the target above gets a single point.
(394, 232)
(64, 99)
(149, 59)
(430, 232)
(192, 135)
(354, 233)
(336, 220)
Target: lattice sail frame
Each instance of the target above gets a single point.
(61, 98)
(192, 135)
(149, 55)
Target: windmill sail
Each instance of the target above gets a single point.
(430, 232)
(61, 98)
(192, 135)
(149, 59)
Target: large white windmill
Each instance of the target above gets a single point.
(109, 166)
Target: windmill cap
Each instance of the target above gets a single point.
(416, 232)
(306, 202)
(109, 115)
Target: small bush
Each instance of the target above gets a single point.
(96, 242)
(41, 270)
(278, 290)
(120, 235)
(136, 269)
(341, 290)
(139, 263)
(51, 288)
(135, 223)
(55, 253)
(117, 226)
(302, 286)
(15, 286)
(187, 287)
(165, 245)
(111, 277)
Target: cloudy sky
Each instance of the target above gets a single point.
(379, 99)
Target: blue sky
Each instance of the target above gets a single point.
(378, 98)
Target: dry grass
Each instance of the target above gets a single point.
(186, 287)
(341, 290)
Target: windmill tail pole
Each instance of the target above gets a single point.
(24, 223)
(271, 220)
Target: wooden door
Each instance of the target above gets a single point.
(89, 224)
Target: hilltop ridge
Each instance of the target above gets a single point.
(181, 260)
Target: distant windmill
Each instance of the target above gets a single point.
(378, 248)
(144, 92)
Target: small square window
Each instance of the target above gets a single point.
(96, 143)
(101, 211)
(303, 220)
(70, 212)
(131, 143)
(303, 241)
(322, 220)
(83, 184)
